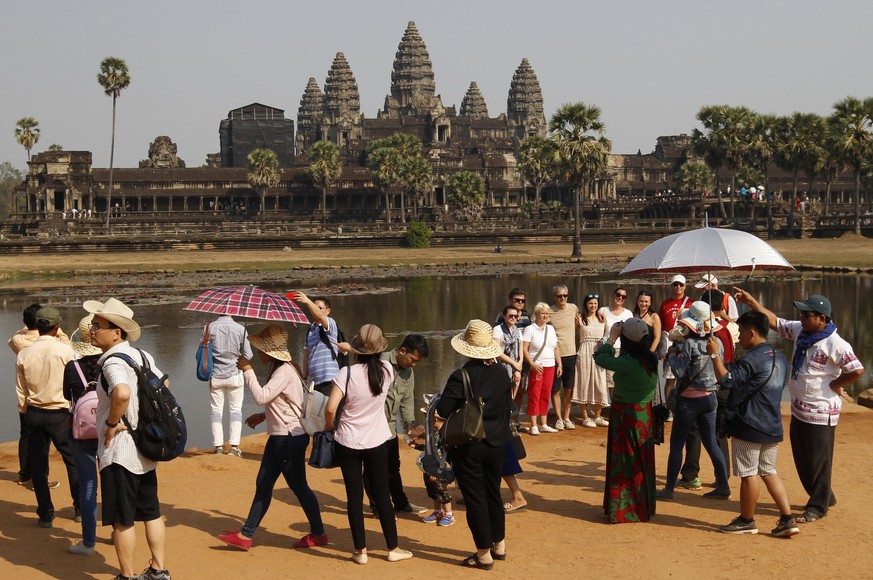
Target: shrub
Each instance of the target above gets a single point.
(417, 235)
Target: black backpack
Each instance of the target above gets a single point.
(161, 433)
(341, 358)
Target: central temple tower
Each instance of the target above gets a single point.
(413, 90)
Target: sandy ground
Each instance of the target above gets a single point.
(562, 532)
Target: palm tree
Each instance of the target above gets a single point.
(324, 168)
(467, 191)
(694, 176)
(417, 180)
(114, 78)
(405, 167)
(385, 164)
(263, 173)
(27, 133)
(704, 143)
(535, 155)
(851, 128)
(580, 153)
(760, 152)
(799, 139)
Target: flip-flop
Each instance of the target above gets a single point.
(807, 517)
(509, 508)
(473, 561)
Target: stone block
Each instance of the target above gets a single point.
(866, 398)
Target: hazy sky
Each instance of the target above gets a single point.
(648, 65)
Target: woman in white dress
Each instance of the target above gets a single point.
(615, 312)
(590, 385)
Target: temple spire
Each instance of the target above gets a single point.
(413, 90)
(524, 107)
(473, 104)
(341, 97)
(309, 114)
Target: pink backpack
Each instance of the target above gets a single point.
(85, 409)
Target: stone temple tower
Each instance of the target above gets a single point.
(309, 116)
(341, 120)
(412, 80)
(473, 105)
(524, 107)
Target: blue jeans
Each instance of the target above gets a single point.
(699, 411)
(283, 455)
(85, 457)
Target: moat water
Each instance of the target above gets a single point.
(436, 307)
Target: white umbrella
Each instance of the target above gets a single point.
(707, 249)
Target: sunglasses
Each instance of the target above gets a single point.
(621, 296)
(511, 316)
(561, 295)
(590, 296)
(808, 314)
(522, 300)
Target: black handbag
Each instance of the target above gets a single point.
(518, 447)
(466, 423)
(323, 454)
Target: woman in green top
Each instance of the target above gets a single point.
(629, 495)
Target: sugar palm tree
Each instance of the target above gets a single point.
(417, 179)
(114, 78)
(263, 173)
(799, 141)
(705, 144)
(404, 167)
(851, 129)
(581, 152)
(535, 156)
(385, 164)
(27, 133)
(694, 176)
(324, 168)
(760, 153)
(467, 191)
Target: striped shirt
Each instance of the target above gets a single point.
(321, 362)
(122, 449)
(229, 341)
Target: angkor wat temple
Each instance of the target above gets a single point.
(454, 140)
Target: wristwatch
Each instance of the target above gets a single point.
(111, 425)
(713, 356)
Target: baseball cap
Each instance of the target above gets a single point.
(706, 280)
(815, 303)
(678, 278)
(47, 316)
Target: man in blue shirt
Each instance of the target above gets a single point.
(321, 351)
(229, 342)
(755, 383)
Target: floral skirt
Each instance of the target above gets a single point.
(629, 495)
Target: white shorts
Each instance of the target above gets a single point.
(752, 458)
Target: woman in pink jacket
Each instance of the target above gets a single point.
(287, 442)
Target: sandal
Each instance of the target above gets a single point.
(497, 556)
(509, 508)
(807, 517)
(473, 561)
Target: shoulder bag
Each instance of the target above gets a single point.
(204, 357)
(466, 423)
(311, 416)
(323, 454)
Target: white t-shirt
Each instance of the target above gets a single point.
(612, 319)
(812, 399)
(362, 423)
(535, 336)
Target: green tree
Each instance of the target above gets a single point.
(535, 162)
(760, 153)
(404, 166)
(263, 173)
(10, 177)
(581, 152)
(384, 164)
(27, 133)
(705, 144)
(694, 177)
(799, 146)
(324, 168)
(55, 147)
(466, 190)
(417, 178)
(851, 129)
(114, 78)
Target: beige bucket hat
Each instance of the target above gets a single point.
(80, 340)
(477, 341)
(369, 340)
(273, 342)
(116, 312)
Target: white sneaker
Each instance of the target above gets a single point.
(568, 424)
(601, 422)
(534, 430)
(559, 425)
(547, 429)
(81, 549)
(589, 423)
(398, 554)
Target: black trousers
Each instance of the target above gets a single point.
(478, 467)
(813, 450)
(51, 426)
(24, 448)
(395, 481)
(352, 462)
(691, 467)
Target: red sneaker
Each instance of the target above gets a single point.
(310, 541)
(234, 540)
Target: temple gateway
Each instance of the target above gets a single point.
(467, 139)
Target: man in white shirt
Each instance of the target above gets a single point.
(128, 480)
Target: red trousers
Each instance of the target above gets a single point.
(539, 390)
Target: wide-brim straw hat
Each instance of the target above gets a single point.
(477, 341)
(698, 318)
(369, 340)
(273, 342)
(80, 340)
(116, 312)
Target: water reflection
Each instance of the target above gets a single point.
(437, 307)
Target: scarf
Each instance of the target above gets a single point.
(806, 340)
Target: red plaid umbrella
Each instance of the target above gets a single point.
(249, 302)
